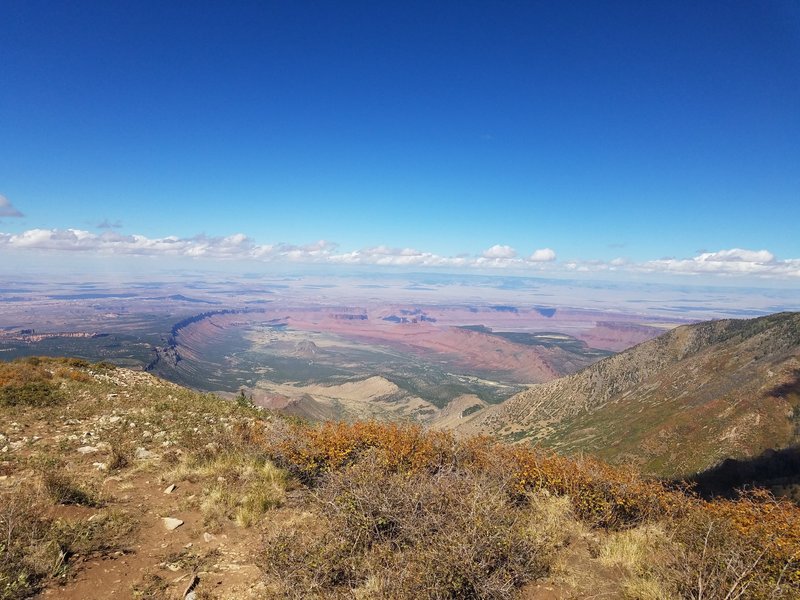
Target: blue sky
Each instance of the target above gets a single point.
(644, 138)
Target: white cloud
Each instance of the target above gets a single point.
(7, 209)
(735, 262)
(239, 246)
(543, 255)
(499, 251)
(737, 255)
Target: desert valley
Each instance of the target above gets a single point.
(399, 301)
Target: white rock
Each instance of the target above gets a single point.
(100, 466)
(169, 489)
(171, 523)
(208, 537)
(143, 453)
(114, 419)
(87, 449)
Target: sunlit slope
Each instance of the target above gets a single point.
(677, 404)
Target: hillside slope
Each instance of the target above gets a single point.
(116, 484)
(674, 405)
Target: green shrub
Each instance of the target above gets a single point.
(37, 393)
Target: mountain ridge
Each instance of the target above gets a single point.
(728, 387)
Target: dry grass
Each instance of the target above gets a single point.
(35, 547)
(64, 488)
(640, 554)
(236, 487)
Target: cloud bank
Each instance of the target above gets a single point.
(735, 262)
(241, 247)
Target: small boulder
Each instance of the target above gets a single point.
(143, 453)
(171, 523)
(87, 449)
(169, 489)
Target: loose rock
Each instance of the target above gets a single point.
(143, 453)
(171, 523)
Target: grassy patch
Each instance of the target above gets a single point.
(237, 487)
(35, 547)
(64, 489)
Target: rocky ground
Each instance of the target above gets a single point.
(117, 484)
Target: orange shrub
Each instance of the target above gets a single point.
(755, 530)
(311, 451)
(768, 524)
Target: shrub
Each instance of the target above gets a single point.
(34, 381)
(747, 548)
(754, 545)
(415, 535)
(602, 496)
(311, 451)
(35, 393)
